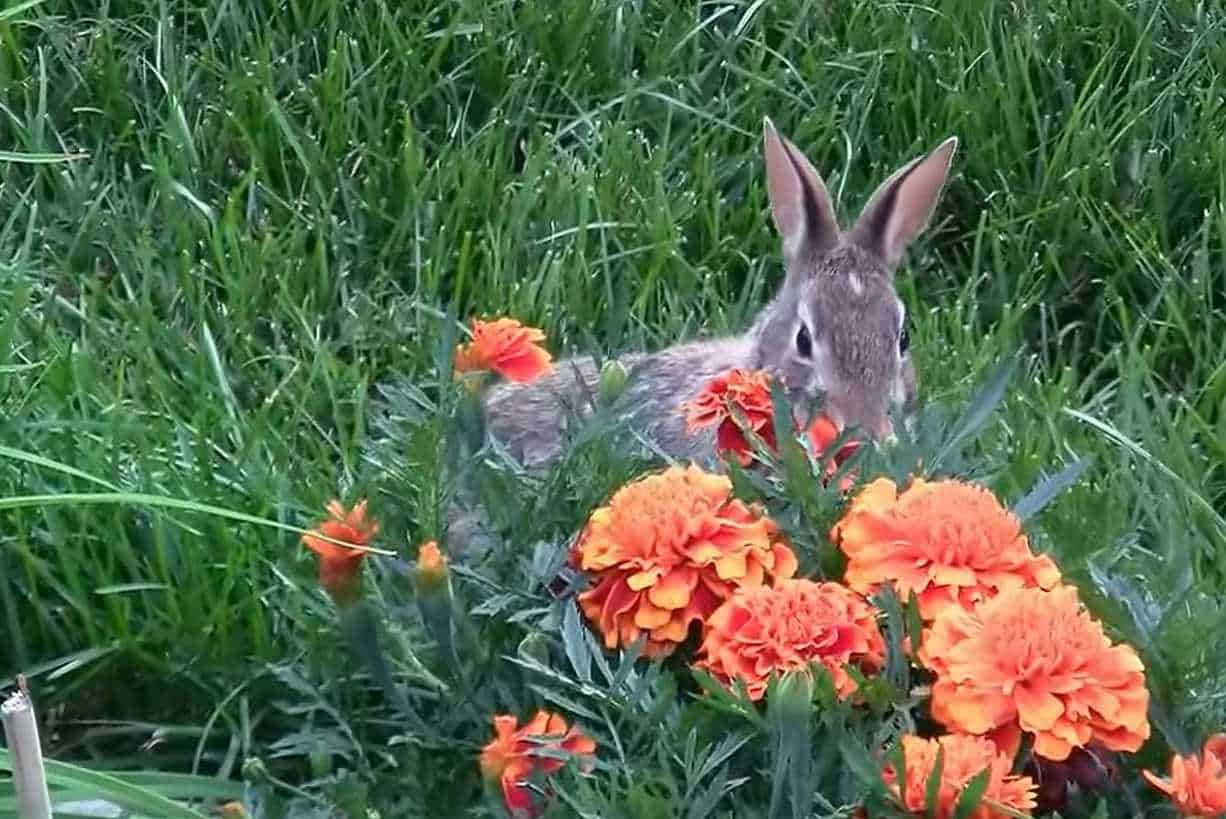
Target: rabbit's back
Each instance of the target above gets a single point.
(529, 419)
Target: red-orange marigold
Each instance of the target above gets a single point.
(760, 630)
(1036, 660)
(339, 565)
(506, 347)
(510, 758)
(1197, 785)
(747, 390)
(750, 392)
(962, 759)
(667, 550)
(950, 542)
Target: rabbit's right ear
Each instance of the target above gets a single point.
(800, 203)
(902, 206)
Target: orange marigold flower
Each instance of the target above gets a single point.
(962, 759)
(506, 347)
(1036, 660)
(761, 629)
(1197, 785)
(667, 550)
(511, 759)
(750, 392)
(950, 542)
(339, 565)
(747, 390)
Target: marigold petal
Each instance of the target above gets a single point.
(642, 580)
(673, 590)
(1037, 710)
(784, 563)
(649, 617)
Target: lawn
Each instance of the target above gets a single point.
(236, 240)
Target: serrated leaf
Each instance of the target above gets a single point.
(972, 794)
(980, 408)
(574, 642)
(862, 766)
(915, 623)
(932, 788)
(1050, 488)
(362, 632)
(897, 758)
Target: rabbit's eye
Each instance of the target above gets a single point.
(904, 342)
(804, 344)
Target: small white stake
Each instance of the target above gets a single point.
(29, 778)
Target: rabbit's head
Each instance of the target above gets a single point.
(837, 327)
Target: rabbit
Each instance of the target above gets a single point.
(836, 326)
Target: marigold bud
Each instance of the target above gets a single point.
(613, 377)
(431, 565)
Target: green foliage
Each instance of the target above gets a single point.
(235, 240)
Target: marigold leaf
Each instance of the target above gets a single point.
(574, 643)
(932, 790)
(972, 794)
(1050, 488)
(979, 409)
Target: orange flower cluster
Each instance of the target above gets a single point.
(962, 759)
(667, 550)
(511, 759)
(1035, 660)
(950, 542)
(339, 565)
(1197, 785)
(749, 391)
(506, 347)
(760, 630)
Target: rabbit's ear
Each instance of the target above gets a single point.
(900, 209)
(800, 203)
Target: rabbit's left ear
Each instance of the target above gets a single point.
(901, 208)
(800, 203)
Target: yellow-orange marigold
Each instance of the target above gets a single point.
(511, 759)
(950, 542)
(1197, 785)
(339, 565)
(1036, 660)
(782, 629)
(963, 758)
(667, 550)
(506, 347)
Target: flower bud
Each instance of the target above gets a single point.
(431, 566)
(612, 381)
(794, 695)
(254, 770)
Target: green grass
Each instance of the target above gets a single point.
(225, 225)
